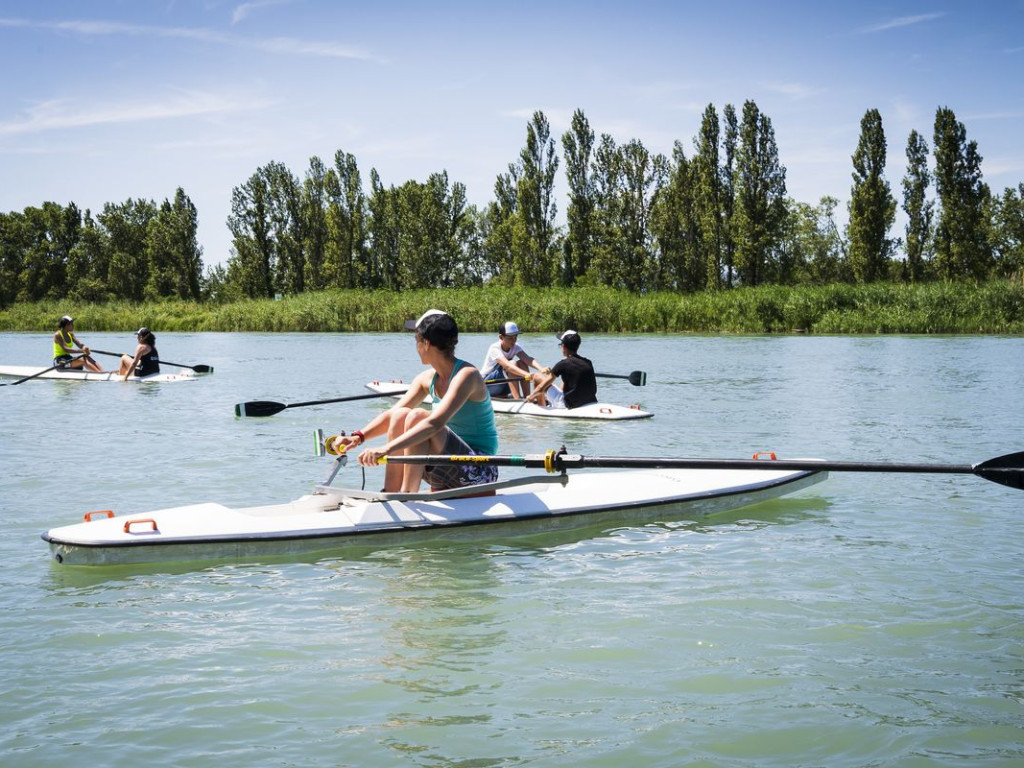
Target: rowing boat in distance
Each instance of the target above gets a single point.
(331, 519)
(26, 371)
(595, 411)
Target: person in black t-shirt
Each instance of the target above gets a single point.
(579, 384)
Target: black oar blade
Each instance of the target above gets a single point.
(258, 408)
(202, 368)
(1005, 470)
(638, 379)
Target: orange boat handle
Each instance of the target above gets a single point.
(88, 515)
(130, 523)
(770, 455)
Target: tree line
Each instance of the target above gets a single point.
(635, 220)
(134, 250)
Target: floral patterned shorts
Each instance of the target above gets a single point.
(444, 476)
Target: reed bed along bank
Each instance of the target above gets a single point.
(995, 307)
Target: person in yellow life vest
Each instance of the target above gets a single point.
(66, 344)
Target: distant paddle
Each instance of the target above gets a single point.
(269, 407)
(260, 408)
(45, 370)
(1006, 470)
(197, 368)
(636, 378)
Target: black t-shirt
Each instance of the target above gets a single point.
(579, 385)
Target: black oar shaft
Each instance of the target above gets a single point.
(368, 396)
(1006, 470)
(197, 368)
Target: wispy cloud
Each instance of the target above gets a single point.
(61, 114)
(243, 10)
(796, 91)
(277, 45)
(902, 21)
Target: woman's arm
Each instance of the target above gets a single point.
(414, 395)
(466, 383)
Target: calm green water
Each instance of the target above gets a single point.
(871, 620)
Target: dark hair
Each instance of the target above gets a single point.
(65, 321)
(440, 330)
(147, 336)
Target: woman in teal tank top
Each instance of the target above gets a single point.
(461, 421)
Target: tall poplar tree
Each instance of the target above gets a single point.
(347, 260)
(578, 146)
(314, 224)
(674, 224)
(709, 197)
(730, 141)
(252, 265)
(962, 250)
(760, 199)
(535, 190)
(918, 207)
(872, 206)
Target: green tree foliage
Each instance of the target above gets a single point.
(709, 192)
(872, 206)
(315, 230)
(252, 265)
(347, 260)
(917, 206)
(522, 230)
(730, 143)
(628, 180)
(578, 145)
(760, 205)
(815, 247)
(127, 226)
(674, 224)
(173, 254)
(1008, 237)
(962, 250)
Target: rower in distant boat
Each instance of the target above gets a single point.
(64, 346)
(507, 360)
(579, 383)
(146, 361)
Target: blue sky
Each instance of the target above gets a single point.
(114, 99)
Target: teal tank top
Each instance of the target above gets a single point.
(474, 421)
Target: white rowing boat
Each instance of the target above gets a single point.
(606, 411)
(77, 374)
(331, 518)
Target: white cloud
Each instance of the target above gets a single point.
(61, 114)
(243, 10)
(797, 91)
(901, 21)
(278, 45)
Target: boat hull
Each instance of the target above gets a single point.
(594, 411)
(22, 371)
(332, 520)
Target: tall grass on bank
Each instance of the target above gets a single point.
(995, 307)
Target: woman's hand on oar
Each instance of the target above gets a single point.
(1006, 470)
(197, 368)
(40, 373)
(269, 407)
(636, 378)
